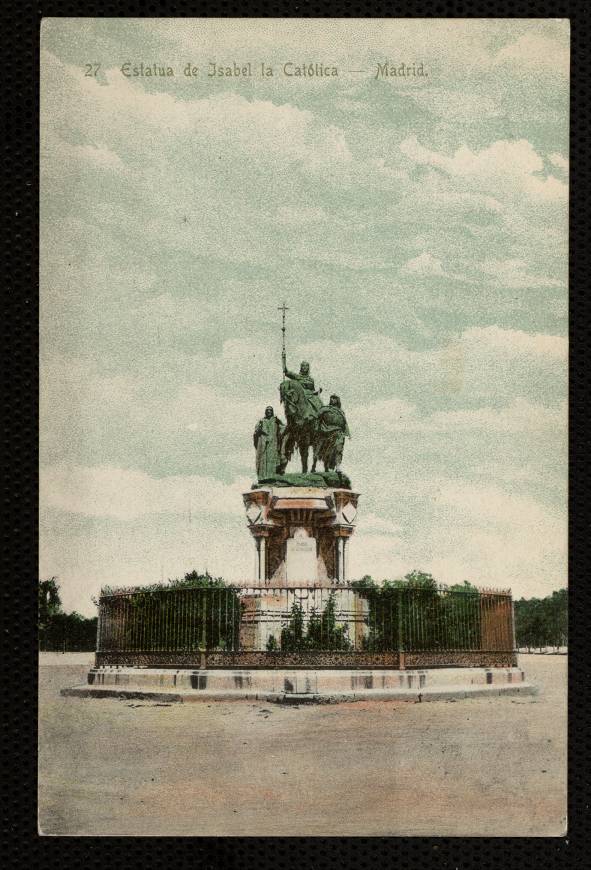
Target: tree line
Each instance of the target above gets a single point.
(72, 632)
(542, 622)
(59, 631)
(414, 612)
(539, 622)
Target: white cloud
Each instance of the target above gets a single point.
(482, 362)
(481, 533)
(505, 539)
(518, 417)
(515, 157)
(508, 166)
(87, 553)
(382, 556)
(226, 120)
(512, 343)
(125, 494)
(212, 413)
(100, 155)
(425, 264)
(514, 273)
(494, 506)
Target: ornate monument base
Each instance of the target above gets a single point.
(300, 534)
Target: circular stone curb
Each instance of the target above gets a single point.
(425, 695)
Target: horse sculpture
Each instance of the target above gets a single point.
(301, 418)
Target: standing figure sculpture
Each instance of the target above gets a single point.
(268, 436)
(331, 429)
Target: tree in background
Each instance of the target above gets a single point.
(50, 602)
(192, 579)
(404, 613)
(59, 631)
(461, 613)
(418, 614)
(199, 610)
(542, 622)
(201, 581)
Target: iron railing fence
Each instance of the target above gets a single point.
(292, 619)
(169, 620)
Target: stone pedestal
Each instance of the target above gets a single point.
(266, 611)
(301, 534)
(263, 615)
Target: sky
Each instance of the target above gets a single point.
(416, 228)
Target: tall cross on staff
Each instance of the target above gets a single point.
(283, 308)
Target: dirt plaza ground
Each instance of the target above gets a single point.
(481, 766)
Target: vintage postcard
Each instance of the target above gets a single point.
(304, 325)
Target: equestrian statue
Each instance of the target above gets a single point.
(310, 425)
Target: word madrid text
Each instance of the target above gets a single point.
(399, 70)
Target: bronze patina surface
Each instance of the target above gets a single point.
(326, 479)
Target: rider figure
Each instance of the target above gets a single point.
(307, 382)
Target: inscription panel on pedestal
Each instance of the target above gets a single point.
(300, 559)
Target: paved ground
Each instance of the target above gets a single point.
(492, 767)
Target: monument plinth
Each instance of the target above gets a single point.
(300, 522)
(300, 534)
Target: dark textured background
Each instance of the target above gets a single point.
(19, 85)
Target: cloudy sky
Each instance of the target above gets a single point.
(417, 228)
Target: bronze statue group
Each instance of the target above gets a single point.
(310, 425)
